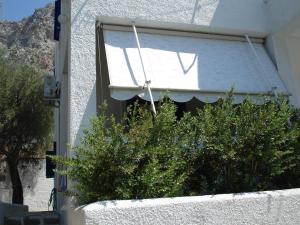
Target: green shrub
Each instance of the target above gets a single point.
(223, 148)
(141, 157)
(247, 148)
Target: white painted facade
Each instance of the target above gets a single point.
(229, 17)
(276, 21)
(36, 187)
(271, 207)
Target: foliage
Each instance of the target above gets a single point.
(25, 120)
(223, 148)
(140, 157)
(247, 147)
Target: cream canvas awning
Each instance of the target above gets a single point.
(187, 66)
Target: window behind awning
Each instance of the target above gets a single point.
(184, 67)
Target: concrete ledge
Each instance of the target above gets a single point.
(270, 207)
(7, 209)
(33, 218)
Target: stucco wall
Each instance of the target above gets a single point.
(287, 55)
(276, 207)
(36, 186)
(256, 17)
(281, 14)
(284, 20)
(223, 16)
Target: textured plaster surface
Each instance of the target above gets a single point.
(283, 14)
(37, 188)
(225, 16)
(272, 207)
(284, 18)
(287, 57)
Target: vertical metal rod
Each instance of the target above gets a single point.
(147, 82)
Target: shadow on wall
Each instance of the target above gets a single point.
(215, 14)
(230, 16)
(293, 47)
(88, 113)
(203, 7)
(29, 173)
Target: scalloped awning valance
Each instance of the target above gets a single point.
(187, 66)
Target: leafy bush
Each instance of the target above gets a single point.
(223, 148)
(247, 147)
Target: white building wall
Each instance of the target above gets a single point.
(287, 53)
(284, 20)
(36, 187)
(282, 14)
(221, 16)
(271, 207)
(255, 17)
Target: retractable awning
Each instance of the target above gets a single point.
(186, 66)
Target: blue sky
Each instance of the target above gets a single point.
(15, 10)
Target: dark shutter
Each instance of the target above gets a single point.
(50, 165)
(57, 12)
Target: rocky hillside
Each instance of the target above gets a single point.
(30, 40)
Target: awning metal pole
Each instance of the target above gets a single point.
(273, 88)
(147, 82)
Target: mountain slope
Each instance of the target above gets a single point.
(30, 41)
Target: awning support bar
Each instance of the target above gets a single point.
(147, 81)
(273, 89)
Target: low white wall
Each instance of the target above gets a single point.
(270, 207)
